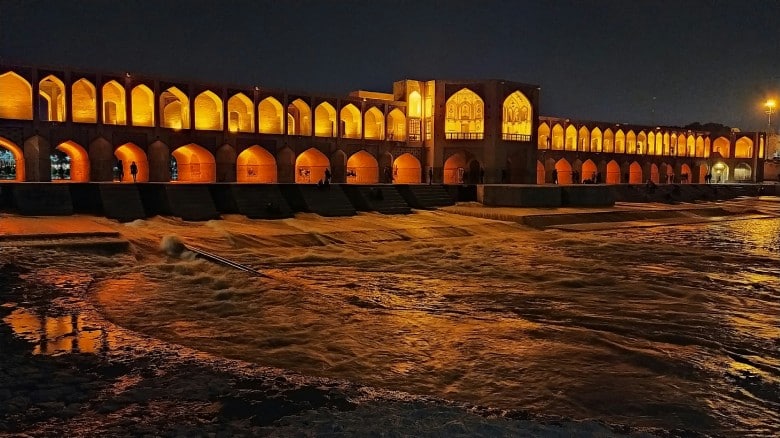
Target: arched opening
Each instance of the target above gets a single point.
(174, 109)
(143, 106)
(543, 136)
(208, 111)
(70, 162)
(620, 142)
(310, 166)
(299, 118)
(743, 148)
(114, 111)
(654, 174)
(557, 137)
(720, 173)
(362, 168)
(690, 146)
(129, 153)
(583, 139)
(685, 174)
(651, 143)
(742, 172)
(270, 112)
(571, 138)
(455, 169)
(350, 121)
(613, 173)
(17, 97)
(681, 145)
(464, 119)
(641, 143)
(595, 140)
(517, 117)
(474, 174)
(83, 101)
(666, 143)
(325, 120)
(721, 146)
(703, 171)
(241, 114)
(255, 165)
(396, 125)
(415, 105)
(563, 168)
(699, 147)
(374, 127)
(635, 173)
(193, 163)
(589, 171)
(609, 141)
(51, 91)
(407, 169)
(540, 173)
(630, 142)
(11, 161)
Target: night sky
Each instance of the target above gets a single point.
(654, 62)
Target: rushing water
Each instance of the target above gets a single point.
(669, 327)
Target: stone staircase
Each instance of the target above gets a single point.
(255, 201)
(327, 200)
(423, 196)
(383, 199)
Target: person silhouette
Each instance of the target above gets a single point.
(133, 170)
(120, 168)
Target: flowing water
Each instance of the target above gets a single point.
(674, 327)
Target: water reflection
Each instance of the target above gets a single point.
(53, 335)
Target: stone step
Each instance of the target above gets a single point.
(423, 196)
(382, 198)
(258, 201)
(327, 200)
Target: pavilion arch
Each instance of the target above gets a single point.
(571, 138)
(455, 168)
(407, 169)
(541, 175)
(83, 101)
(350, 121)
(742, 172)
(641, 143)
(743, 148)
(374, 125)
(362, 168)
(543, 136)
(583, 139)
(285, 165)
(564, 171)
(142, 98)
(707, 147)
(721, 145)
(690, 146)
(325, 120)
(465, 116)
(609, 141)
(130, 153)
(241, 114)
(159, 158)
(651, 143)
(174, 109)
(194, 164)
(686, 175)
(631, 142)
(595, 140)
(589, 170)
(226, 163)
(681, 145)
(517, 117)
(270, 112)
(255, 165)
(17, 97)
(310, 166)
(51, 91)
(704, 169)
(208, 111)
(613, 173)
(17, 167)
(665, 143)
(557, 137)
(396, 125)
(114, 110)
(635, 173)
(299, 113)
(620, 142)
(414, 105)
(720, 172)
(699, 148)
(79, 161)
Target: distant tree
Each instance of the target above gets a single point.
(709, 126)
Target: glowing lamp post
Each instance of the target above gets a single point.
(770, 109)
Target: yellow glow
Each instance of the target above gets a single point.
(517, 116)
(690, 146)
(142, 99)
(583, 140)
(564, 171)
(557, 137)
(721, 145)
(613, 173)
(362, 168)
(16, 151)
(666, 143)
(270, 112)
(743, 148)
(543, 136)
(56, 334)
(707, 147)
(255, 165)
(686, 170)
(571, 138)
(374, 128)
(630, 142)
(595, 140)
(84, 101)
(681, 144)
(699, 147)
(350, 121)
(609, 141)
(651, 143)
(414, 103)
(241, 114)
(208, 111)
(195, 164)
(325, 120)
(310, 166)
(407, 169)
(79, 161)
(465, 116)
(396, 125)
(454, 168)
(175, 109)
(130, 153)
(770, 104)
(620, 142)
(16, 101)
(114, 112)
(52, 90)
(300, 113)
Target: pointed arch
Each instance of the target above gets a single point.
(300, 113)
(362, 168)
(76, 167)
(613, 173)
(641, 143)
(703, 171)
(681, 144)
(374, 127)
(11, 166)
(517, 118)
(455, 168)
(114, 110)
(52, 93)
(635, 173)
(350, 121)
(571, 138)
(690, 146)
(630, 142)
(142, 99)
(609, 141)
(241, 114)
(620, 142)
(651, 143)
(396, 125)
(557, 137)
(325, 120)
(310, 166)
(595, 140)
(174, 109)
(589, 170)
(415, 105)
(255, 165)
(270, 112)
(699, 147)
(543, 136)
(16, 102)
(194, 163)
(583, 139)
(83, 101)
(722, 146)
(130, 153)
(465, 116)
(564, 169)
(655, 174)
(407, 169)
(208, 111)
(541, 175)
(743, 148)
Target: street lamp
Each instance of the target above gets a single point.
(770, 109)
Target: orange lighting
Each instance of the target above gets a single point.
(16, 151)
(79, 161)
(255, 165)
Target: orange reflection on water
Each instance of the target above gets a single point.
(56, 335)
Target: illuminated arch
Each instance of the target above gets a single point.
(194, 164)
(583, 139)
(609, 141)
(630, 142)
(543, 136)
(666, 143)
(720, 172)
(699, 147)
(681, 144)
(641, 143)
(557, 137)
(78, 163)
(707, 147)
(208, 111)
(571, 138)
(350, 121)
(635, 173)
(142, 106)
(721, 145)
(651, 143)
(374, 127)
(255, 165)
(83, 101)
(540, 173)
(564, 171)
(743, 148)
(465, 116)
(654, 174)
(703, 171)
(690, 146)
(455, 168)
(686, 176)
(517, 118)
(362, 168)
(16, 102)
(407, 169)
(114, 111)
(129, 153)
(620, 142)
(310, 166)
(270, 112)
(300, 113)
(12, 170)
(396, 125)
(415, 105)
(325, 120)
(241, 114)
(595, 140)
(613, 173)
(52, 93)
(174, 109)
(589, 170)
(742, 172)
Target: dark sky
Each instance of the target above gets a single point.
(630, 61)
